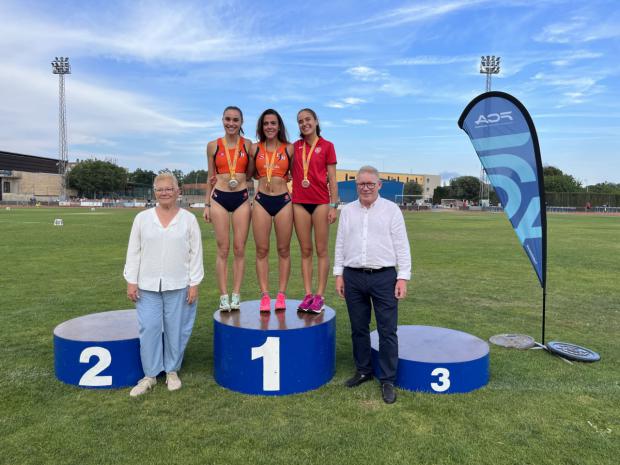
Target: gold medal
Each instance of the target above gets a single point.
(232, 164)
(270, 162)
(306, 162)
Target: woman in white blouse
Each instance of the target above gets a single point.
(163, 270)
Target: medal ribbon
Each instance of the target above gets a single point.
(232, 165)
(306, 161)
(270, 161)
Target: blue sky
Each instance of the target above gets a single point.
(388, 79)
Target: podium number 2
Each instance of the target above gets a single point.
(443, 382)
(91, 377)
(270, 353)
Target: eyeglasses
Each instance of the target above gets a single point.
(167, 190)
(366, 185)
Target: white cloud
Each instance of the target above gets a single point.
(356, 122)
(150, 31)
(574, 89)
(414, 13)
(398, 88)
(335, 105)
(353, 100)
(345, 102)
(364, 73)
(427, 60)
(96, 115)
(387, 83)
(580, 29)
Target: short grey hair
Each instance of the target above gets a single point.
(164, 175)
(368, 169)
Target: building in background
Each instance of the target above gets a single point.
(26, 178)
(428, 181)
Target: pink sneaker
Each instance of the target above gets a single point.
(305, 304)
(265, 303)
(281, 301)
(317, 305)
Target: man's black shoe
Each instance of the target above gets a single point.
(357, 379)
(388, 393)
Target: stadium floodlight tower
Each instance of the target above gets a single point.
(61, 66)
(489, 65)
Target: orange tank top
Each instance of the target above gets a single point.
(221, 161)
(280, 163)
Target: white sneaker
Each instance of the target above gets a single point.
(224, 304)
(143, 386)
(235, 302)
(173, 381)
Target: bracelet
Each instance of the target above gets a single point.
(333, 205)
(207, 205)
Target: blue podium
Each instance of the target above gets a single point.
(437, 360)
(276, 353)
(101, 350)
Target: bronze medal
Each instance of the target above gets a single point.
(306, 162)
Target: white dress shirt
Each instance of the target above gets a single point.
(373, 237)
(164, 259)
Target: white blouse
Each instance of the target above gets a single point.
(164, 259)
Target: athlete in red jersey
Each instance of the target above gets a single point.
(228, 157)
(315, 203)
(272, 204)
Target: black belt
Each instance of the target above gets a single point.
(371, 270)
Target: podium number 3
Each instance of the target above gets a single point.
(91, 377)
(443, 382)
(270, 353)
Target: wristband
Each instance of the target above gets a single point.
(207, 205)
(333, 205)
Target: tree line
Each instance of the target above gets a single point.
(95, 178)
(556, 181)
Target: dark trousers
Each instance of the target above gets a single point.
(363, 291)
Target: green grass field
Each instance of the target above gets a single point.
(470, 274)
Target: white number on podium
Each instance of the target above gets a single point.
(443, 383)
(270, 353)
(91, 377)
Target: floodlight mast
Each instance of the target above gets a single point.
(61, 66)
(489, 65)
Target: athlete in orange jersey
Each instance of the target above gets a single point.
(227, 201)
(272, 204)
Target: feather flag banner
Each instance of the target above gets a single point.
(504, 137)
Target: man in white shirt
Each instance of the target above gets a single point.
(372, 267)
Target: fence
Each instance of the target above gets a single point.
(581, 199)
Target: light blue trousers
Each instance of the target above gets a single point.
(167, 312)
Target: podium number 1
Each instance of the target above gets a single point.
(91, 377)
(270, 353)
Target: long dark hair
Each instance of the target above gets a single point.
(312, 112)
(232, 107)
(260, 132)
